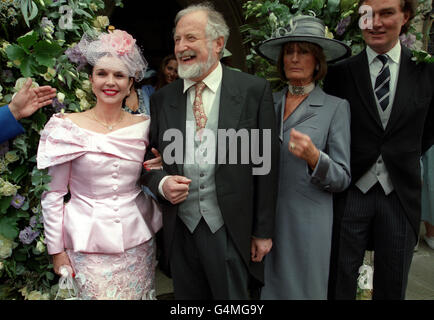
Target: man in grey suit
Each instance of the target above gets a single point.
(218, 216)
(392, 115)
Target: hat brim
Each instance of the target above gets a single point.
(334, 50)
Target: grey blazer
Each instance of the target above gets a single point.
(298, 265)
(326, 119)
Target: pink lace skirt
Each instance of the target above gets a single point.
(126, 276)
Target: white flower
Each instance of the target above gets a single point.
(86, 85)
(328, 33)
(37, 295)
(40, 247)
(61, 97)
(80, 94)
(84, 104)
(101, 22)
(93, 7)
(11, 156)
(6, 247)
(3, 166)
(8, 189)
(273, 20)
(21, 81)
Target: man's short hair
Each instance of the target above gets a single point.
(216, 25)
(409, 6)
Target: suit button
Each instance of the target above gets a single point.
(202, 187)
(116, 208)
(115, 197)
(202, 175)
(115, 187)
(117, 220)
(116, 164)
(115, 175)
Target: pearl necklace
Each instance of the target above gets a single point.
(108, 126)
(301, 90)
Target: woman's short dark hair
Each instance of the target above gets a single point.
(312, 48)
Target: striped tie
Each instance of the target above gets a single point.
(382, 83)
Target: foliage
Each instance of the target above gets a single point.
(341, 18)
(47, 29)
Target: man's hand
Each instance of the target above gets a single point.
(259, 248)
(28, 100)
(175, 189)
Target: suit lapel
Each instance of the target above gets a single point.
(230, 102)
(406, 79)
(176, 116)
(362, 80)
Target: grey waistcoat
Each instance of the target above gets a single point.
(202, 196)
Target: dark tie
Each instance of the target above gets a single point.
(382, 83)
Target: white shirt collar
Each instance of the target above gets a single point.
(212, 81)
(394, 54)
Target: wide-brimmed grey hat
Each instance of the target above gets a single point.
(303, 29)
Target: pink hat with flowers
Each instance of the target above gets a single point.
(119, 44)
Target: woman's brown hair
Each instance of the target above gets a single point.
(319, 73)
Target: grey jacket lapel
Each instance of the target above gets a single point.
(304, 111)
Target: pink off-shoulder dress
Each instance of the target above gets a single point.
(107, 226)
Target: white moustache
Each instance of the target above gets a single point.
(188, 53)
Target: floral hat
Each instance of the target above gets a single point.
(117, 43)
(303, 29)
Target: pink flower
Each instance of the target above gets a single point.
(119, 41)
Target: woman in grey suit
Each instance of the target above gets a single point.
(314, 160)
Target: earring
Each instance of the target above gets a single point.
(317, 67)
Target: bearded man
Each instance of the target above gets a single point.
(218, 216)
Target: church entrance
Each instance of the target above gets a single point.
(152, 23)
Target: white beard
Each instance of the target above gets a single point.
(196, 70)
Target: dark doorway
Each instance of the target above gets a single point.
(151, 23)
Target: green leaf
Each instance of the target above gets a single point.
(15, 52)
(28, 40)
(8, 227)
(49, 275)
(28, 67)
(19, 173)
(45, 53)
(82, 13)
(29, 10)
(333, 5)
(5, 203)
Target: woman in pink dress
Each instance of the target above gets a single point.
(105, 232)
